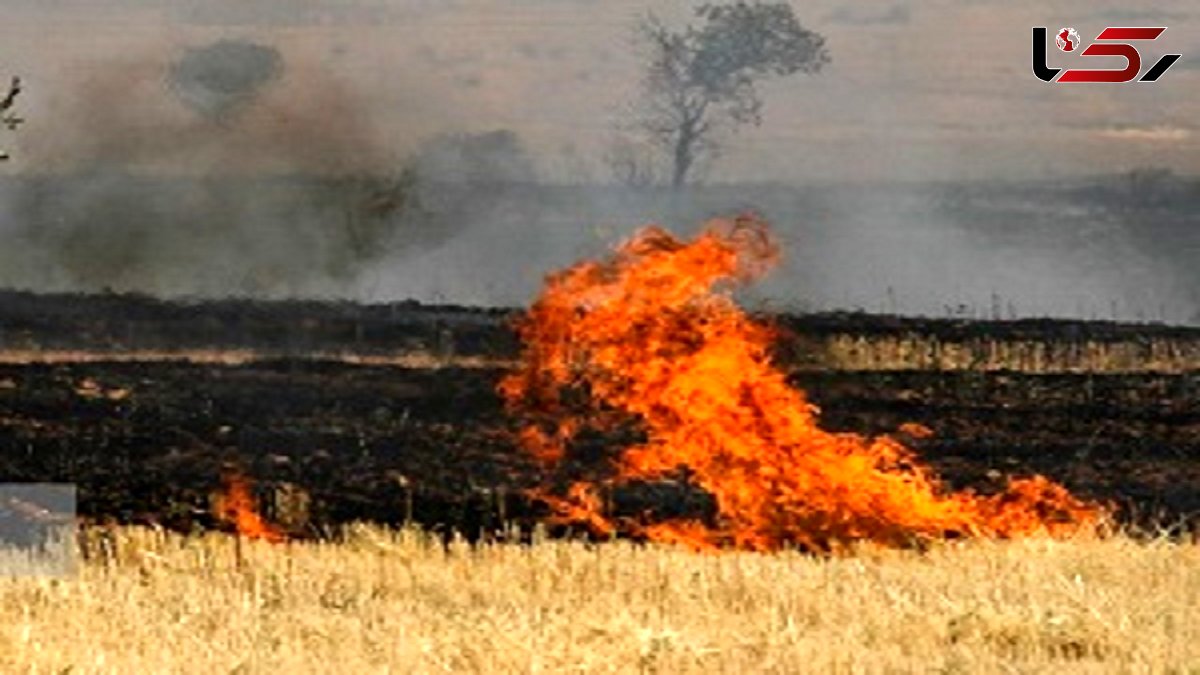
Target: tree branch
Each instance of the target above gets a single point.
(7, 117)
(702, 75)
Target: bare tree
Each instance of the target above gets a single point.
(7, 117)
(700, 81)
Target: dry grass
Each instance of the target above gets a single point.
(237, 357)
(394, 602)
(917, 352)
(834, 352)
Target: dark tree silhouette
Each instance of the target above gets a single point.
(700, 81)
(9, 118)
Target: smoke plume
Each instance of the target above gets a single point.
(225, 168)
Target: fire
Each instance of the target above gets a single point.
(649, 346)
(237, 507)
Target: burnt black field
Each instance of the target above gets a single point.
(148, 441)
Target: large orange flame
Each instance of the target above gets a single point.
(237, 507)
(652, 335)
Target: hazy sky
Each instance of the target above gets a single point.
(938, 89)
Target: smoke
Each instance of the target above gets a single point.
(224, 169)
(996, 251)
(488, 158)
(303, 166)
(1000, 251)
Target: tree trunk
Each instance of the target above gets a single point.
(684, 152)
(691, 131)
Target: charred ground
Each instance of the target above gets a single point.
(327, 441)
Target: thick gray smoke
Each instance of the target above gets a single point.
(983, 251)
(236, 167)
(226, 170)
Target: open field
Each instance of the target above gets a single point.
(394, 418)
(385, 601)
(147, 442)
(64, 328)
(389, 413)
